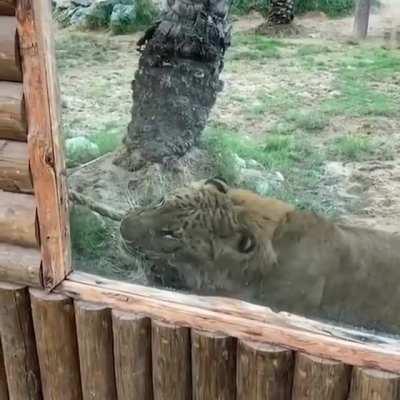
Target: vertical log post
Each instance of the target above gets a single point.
(54, 323)
(3, 377)
(95, 342)
(316, 379)
(19, 347)
(369, 384)
(171, 362)
(264, 372)
(132, 354)
(213, 366)
(361, 18)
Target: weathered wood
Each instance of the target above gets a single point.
(171, 362)
(46, 154)
(54, 323)
(20, 265)
(10, 63)
(12, 111)
(18, 219)
(7, 7)
(19, 347)
(265, 372)
(238, 319)
(3, 377)
(132, 354)
(315, 379)
(361, 18)
(213, 366)
(369, 384)
(14, 167)
(95, 343)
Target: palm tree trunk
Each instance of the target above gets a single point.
(281, 12)
(177, 81)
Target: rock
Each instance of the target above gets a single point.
(254, 164)
(62, 4)
(239, 162)
(82, 3)
(123, 19)
(80, 150)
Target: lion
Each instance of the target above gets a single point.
(228, 241)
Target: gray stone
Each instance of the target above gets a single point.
(123, 18)
(82, 3)
(80, 150)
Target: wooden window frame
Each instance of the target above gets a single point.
(239, 319)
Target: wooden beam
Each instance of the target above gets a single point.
(317, 378)
(19, 347)
(95, 344)
(54, 323)
(369, 384)
(171, 362)
(12, 111)
(14, 167)
(132, 354)
(3, 377)
(20, 265)
(10, 63)
(234, 318)
(213, 366)
(18, 219)
(7, 7)
(45, 152)
(361, 18)
(265, 372)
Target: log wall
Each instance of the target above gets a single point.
(58, 348)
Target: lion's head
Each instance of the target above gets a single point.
(215, 236)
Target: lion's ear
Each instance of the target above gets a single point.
(219, 183)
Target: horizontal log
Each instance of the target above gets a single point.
(95, 344)
(55, 332)
(317, 378)
(18, 340)
(7, 7)
(132, 354)
(264, 372)
(12, 111)
(213, 366)
(238, 319)
(20, 265)
(14, 167)
(18, 219)
(370, 384)
(10, 62)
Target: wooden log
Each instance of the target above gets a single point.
(213, 366)
(14, 167)
(12, 111)
(361, 18)
(171, 362)
(7, 7)
(42, 103)
(370, 384)
(18, 219)
(19, 347)
(20, 265)
(54, 323)
(315, 379)
(10, 63)
(132, 353)
(95, 343)
(264, 372)
(3, 377)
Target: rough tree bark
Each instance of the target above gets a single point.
(361, 18)
(281, 12)
(177, 81)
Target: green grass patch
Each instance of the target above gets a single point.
(307, 121)
(358, 148)
(312, 49)
(107, 141)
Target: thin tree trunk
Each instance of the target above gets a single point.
(361, 19)
(281, 12)
(177, 81)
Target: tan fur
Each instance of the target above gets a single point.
(300, 262)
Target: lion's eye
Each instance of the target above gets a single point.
(161, 203)
(168, 233)
(247, 243)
